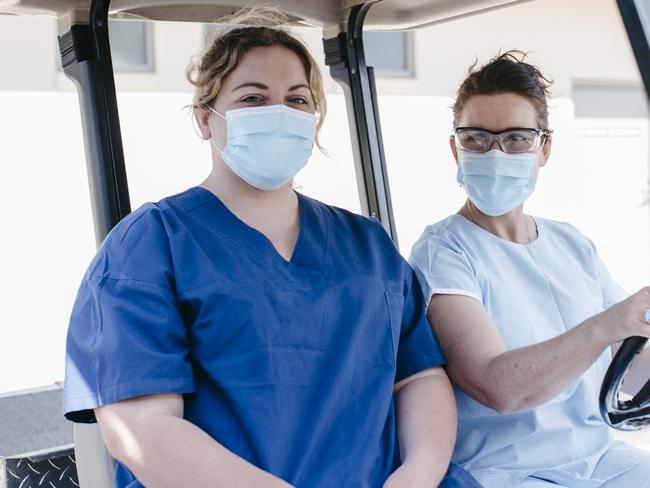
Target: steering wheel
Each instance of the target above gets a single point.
(631, 414)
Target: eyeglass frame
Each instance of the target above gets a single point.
(494, 136)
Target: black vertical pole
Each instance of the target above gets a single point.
(345, 56)
(638, 37)
(86, 59)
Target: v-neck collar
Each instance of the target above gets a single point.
(312, 244)
(505, 242)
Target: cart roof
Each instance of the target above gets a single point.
(386, 14)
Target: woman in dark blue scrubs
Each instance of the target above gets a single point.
(243, 334)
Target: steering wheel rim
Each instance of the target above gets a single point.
(631, 414)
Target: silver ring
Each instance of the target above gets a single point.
(647, 315)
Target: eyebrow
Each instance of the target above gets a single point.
(301, 85)
(262, 86)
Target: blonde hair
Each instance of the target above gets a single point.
(242, 31)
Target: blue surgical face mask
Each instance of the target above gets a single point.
(495, 181)
(267, 146)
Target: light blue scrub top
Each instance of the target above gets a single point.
(533, 292)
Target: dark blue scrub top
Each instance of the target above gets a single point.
(290, 365)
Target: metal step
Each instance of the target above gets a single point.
(36, 442)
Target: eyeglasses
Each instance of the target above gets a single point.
(516, 140)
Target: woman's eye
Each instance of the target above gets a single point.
(516, 137)
(475, 138)
(298, 100)
(251, 99)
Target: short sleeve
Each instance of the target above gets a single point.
(443, 268)
(126, 337)
(418, 349)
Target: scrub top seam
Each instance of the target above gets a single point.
(549, 288)
(148, 208)
(104, 277)
(177, 200)
(185, 208)
(325, 267)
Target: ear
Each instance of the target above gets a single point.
(454, 150)
(201, 116)
(546, 150)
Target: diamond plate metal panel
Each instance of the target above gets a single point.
(46, 469)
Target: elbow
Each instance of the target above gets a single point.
(503, 402)
(120, 439)
(112, 441)
(495, 391)
(509, 403)
(498, 404)
(504, 407)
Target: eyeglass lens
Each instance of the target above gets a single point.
(513, 141)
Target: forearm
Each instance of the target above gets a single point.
(480, 364)
(166, 451)
(532, 375)
(426, 424)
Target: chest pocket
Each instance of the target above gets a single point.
(298, 337)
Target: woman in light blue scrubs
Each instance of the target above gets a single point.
(524, 309)
(240, 334)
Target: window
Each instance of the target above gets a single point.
(608, 101)
(131, 46)
(390, 53)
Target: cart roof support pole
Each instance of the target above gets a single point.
(86, 60)
(345, 56)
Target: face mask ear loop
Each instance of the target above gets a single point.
(213, 143)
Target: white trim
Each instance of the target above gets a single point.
(451, 291)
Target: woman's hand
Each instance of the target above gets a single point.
(414, 475)
(623, 320)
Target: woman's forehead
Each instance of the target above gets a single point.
(498, 112)
(272, 66)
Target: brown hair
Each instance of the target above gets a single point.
(224, 48)
(506, 73)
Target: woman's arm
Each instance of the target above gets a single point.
(149, 435)
(507, 381)
(426, 427)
